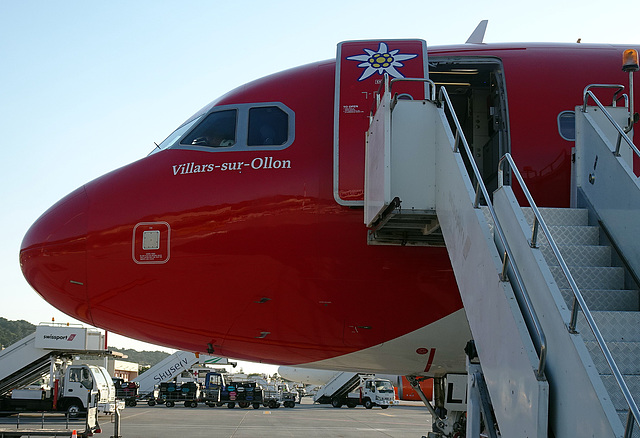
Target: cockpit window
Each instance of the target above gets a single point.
(267, 126)
(175, 135)
(218, 129)
(239, 127)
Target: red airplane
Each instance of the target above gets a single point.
(252, 211)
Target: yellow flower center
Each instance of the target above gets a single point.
(381, 60)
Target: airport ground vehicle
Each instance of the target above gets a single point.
(79, 388)
(172, 393)
(37, 374)
(218, 392)
(279, 394)
(371, 392)
(127, 391)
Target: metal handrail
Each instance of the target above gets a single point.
(387, 84)
(432, 85)
(508, 256)
(621, 134)
(577, 295)
(616, 95)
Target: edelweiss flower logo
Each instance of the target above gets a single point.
(381, 62)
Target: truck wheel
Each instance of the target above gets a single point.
(336, 402)
(231, 405)
(73, 409)
(151, 402)
(384, 406)
(368, 404)
(351, 404)
(256, 406)
(272, 404)
(133, 403)
(169, 404)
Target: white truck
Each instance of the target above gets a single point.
(371, 392)
(72, 388)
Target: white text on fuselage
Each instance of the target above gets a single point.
(259, 163)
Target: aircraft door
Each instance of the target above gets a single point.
(360, 70)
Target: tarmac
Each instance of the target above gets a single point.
(409, 419)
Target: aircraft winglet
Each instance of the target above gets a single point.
(478, 34)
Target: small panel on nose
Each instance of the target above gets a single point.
(151, 242)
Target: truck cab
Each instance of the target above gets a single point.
(84, 386)
(372, 392)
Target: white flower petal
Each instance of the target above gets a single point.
(404, 57)
(367, 73)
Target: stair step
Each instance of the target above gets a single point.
(559, 216)
(625, 354)
(614, 326)
(619, 402)
(579, 255)
(571, 235)
(591, 277)
(623, 420)
(601, 299)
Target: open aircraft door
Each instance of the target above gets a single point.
(360, 70)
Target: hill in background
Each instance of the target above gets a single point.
(142, 358)
(12, 331)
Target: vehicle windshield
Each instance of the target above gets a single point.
(214, 381)
(383, 386)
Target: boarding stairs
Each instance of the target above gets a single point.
(34, 356)
(549, 294)
(337, 388)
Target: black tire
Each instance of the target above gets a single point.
(133, 403)
(272, 404)
(151, 402)
(231, 405)
(73, 408)
(170, 403)
(351, 404)
(256, 406)
(336, 402)
(384, 406)
(368, 404)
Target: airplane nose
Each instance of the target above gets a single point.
(53, 255)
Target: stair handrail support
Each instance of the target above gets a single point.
(507, 256)
(578, 298)
(622, 135)
(507, 340)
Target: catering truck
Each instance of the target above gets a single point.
(72, 388)
(371, 392)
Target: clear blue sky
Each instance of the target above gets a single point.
(88, 86)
